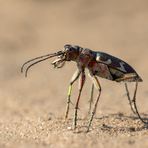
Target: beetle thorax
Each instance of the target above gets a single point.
(85, 57)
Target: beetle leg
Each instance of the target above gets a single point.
(98, 87)
(91, 98)
(73, 79)
(136, 109)
(129, 99)
(81, 84)
(134, 102)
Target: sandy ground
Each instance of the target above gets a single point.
(32, 108)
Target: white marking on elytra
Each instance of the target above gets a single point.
(109, 61)
(98, 57)
(122, 68)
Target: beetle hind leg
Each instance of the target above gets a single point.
(129, 99)
(133, 102)
(135, 105)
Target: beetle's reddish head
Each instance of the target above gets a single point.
(71, 52)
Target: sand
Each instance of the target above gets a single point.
(32, 109)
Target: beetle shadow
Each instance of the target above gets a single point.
(135, 127)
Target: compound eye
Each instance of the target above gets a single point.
(67, 46)
(70, 49)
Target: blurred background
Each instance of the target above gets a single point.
(30, 28)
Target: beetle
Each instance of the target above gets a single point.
(99, 64)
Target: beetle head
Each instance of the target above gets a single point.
(70, 53)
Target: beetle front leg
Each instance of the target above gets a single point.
(81, 84)
(73, 79)
(98, 87)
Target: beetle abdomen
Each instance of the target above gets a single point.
(119, 70)
(119, 76)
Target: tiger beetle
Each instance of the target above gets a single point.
(98, 64)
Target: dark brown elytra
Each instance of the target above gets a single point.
(98, 64)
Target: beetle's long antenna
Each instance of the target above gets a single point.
(34, 64)
(22, 68)
(40, 57)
